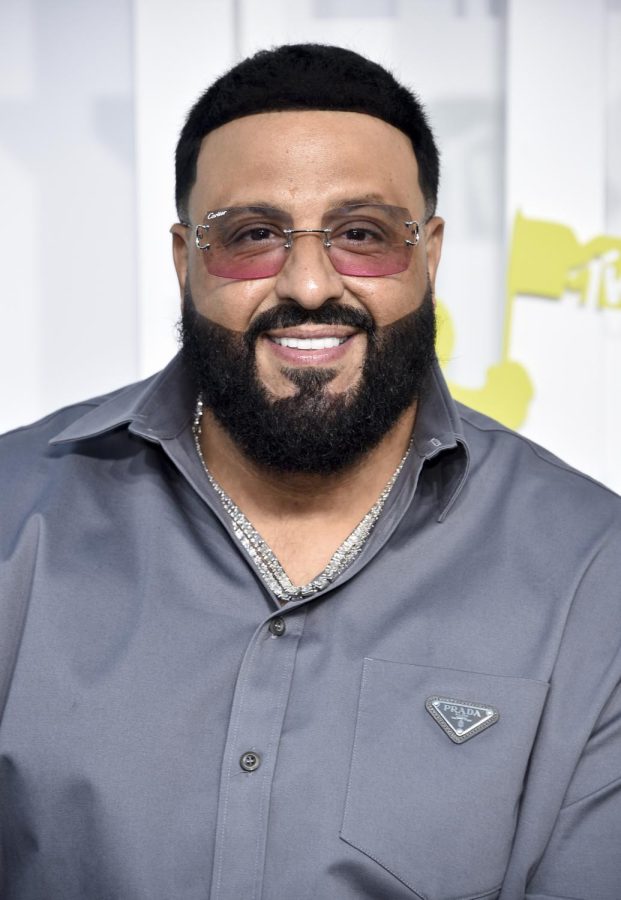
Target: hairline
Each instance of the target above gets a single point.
(430, 202)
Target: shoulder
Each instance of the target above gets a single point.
(53, 423)
(34, 438)
(487, 436)
(533, 485)
(37, 473)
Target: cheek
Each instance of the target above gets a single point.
(392, 297)
(232, 304)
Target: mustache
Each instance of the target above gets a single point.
(286, 316)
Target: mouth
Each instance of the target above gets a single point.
(309, 343)
(311, 346)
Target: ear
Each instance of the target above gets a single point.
(180, 236)
(434, 233)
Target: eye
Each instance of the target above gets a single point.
(358, 234)
(252, 234)
(257, 234)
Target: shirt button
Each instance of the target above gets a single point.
(277, 626)
(249, 761)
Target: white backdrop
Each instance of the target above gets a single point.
(525, 99)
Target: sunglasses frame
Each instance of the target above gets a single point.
(200, 234)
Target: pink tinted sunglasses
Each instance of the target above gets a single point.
(362, 239)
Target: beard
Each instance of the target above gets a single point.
(314, 431)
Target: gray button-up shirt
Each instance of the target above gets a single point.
(172, 733)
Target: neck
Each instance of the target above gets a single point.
(304, 518)
(263, 493)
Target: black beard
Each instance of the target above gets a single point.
(313, 431)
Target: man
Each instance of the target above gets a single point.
(296, 626)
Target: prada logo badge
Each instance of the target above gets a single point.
(461, 719)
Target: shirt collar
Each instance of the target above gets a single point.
(159, 408)
(439, 444)
(438, 425)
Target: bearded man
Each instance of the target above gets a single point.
(283, 621)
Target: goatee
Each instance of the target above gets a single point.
(313, 431)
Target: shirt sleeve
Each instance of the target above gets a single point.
(582, 858)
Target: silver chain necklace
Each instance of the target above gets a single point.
(268, 566)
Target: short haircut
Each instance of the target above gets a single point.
(313, 77)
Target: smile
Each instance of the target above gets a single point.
(327, 343)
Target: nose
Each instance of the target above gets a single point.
(308, 277)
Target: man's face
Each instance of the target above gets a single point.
(305, 164)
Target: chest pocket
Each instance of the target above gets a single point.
(439, 815)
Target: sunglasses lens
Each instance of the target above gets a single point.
(244, 266)
(245, 243)
(392, 260)
(369, 240)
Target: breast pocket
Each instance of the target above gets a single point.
(433, 798)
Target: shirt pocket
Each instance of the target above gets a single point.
(439, 815)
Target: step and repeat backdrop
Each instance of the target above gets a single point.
(525, 100)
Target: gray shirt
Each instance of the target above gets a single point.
(172, 733)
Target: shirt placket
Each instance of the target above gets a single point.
(250, 755)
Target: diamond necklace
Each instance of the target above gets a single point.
(264, 559)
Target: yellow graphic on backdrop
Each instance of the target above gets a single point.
(507, 391)
(546, 260)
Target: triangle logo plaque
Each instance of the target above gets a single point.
(461, 719)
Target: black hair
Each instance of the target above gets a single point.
(307, 76)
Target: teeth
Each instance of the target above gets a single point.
(310, 343)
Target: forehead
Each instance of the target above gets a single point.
(308, 160)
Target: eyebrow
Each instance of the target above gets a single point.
(361, 200)
(262, 206)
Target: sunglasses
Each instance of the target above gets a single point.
(248, 242)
